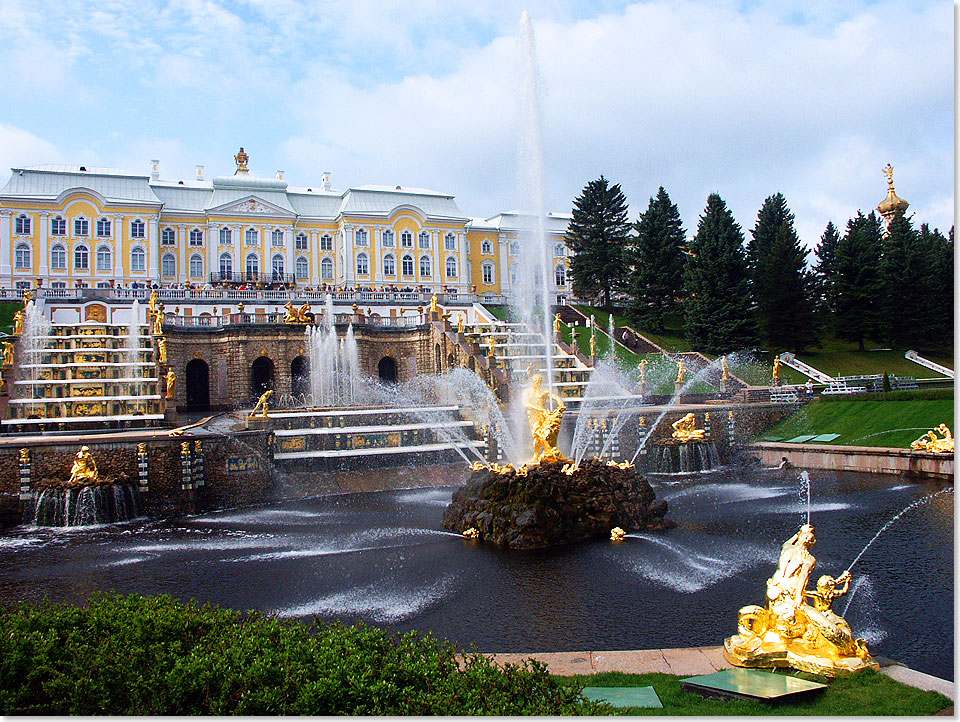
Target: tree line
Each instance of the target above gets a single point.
(893, 285)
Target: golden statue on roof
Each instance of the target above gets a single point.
(241, 159)
(893, 203)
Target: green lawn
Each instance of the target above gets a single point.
(860, 422)
(7, 310)
(866, 693)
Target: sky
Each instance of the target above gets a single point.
(746, 99)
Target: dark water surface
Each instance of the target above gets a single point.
(382, 557)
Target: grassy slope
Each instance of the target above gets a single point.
(867, 423)
(6, 315)
(867, 693)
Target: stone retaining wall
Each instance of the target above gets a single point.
(917, 464)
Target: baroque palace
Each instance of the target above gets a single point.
(76, 227)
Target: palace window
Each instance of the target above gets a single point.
(514, 249)
(103, 284)
(406, 239)
(196, 237)
(406, 265)
(387, 240)
(23, 225)
(277, 265)
(226, 265)
(425, 266)
(300, 242)
(326, 269)
(226, 237)
(561, 275)
(487, 272)
(360, 236)
(424, 240)
(58, 226)
(302, 268)
(58, 258)
(450, 242)
(196, 266)
(276, 237)
(80, 284)
(81, 226)
(326, 242)
(514, 274)
(253, 266)
(22, 257)
(103, 228)
(58, 284)
(486, 248)
(389, 265)
(104, 258)
(138, 229)
(560, 250)
(168, 237)
(138, 260)
(451, 267)
(168, 265)
(363, 265)
(81, 258)
(251, 237)
(23, 284)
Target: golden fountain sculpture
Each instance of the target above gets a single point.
(262, 405)
(18, 318)
(297, 315)
(84, 471)
(931, 442)
(544, 423)
(798, 628)
(685, 429)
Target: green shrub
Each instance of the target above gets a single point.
(139, 655)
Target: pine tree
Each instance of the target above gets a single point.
(717, 305)
(940, 311)
(786, 306)
(857, 280)
(905, 268)
(825, 274)
(656, 258)
(771, 216)
(597, 235)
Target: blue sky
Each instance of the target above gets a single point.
(743, 98)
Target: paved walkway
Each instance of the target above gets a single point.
(688, 662)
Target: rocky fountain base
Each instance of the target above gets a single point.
(552, 504)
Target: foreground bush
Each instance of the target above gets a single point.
(155, 656)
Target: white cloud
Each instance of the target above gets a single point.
(20, 148)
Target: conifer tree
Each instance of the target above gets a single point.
(939, 306)
(905, 267)
(786, 306)
(597, 234)
(771, 216)
(857, 283)
(717, 305)
(825, 274)
(656, 258)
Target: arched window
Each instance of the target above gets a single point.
(406, 239)
(389, 265)
(168, 265)
(561, 275)
(486, 248)
(58, 258)
(514, 249)
(450, 242)
(424, 240)
(363, 265)
(81, 226)
(226, 266)
(22, 257)
(425, 266)
(138, 228)
(302, 268)
(387, 239)
(326, 242)
(251, 237)
(196, 237)
(451, 267)
(196, 266)
(168, 237)
(277, 266)
(514, 274)
(300, 243)
(138, 259)
(253, 267)
(81, 258)
(406, 265)
(276, 237)
(360, 236)
(487, 269)
(23, 225)
(104, 258)
(103, 227)
(226, 237)
(326, 269)
(58, 226)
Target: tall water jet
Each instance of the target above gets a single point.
(133, 346)
(36, 330)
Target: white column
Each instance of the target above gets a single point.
(44, 269)
(212, 242)
(349, 269)
(5, 271)
(288, 250)
(153, 248)
(182, 265)
(118, 255)
(504, 281)
(376, 251)
(313, 238)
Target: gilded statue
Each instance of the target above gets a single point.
(241, 159)
(776, 369)
(24, 455)
(171, 383)
(27, 297)
(141, 449)
(434, 306)
(154, 303)
(726, 369)
(643, 371)
(544, 423)
(593, 345)
(460, 322)
(162, 345)
(681, 370)
(492, 345)
(685, 429)
(158, 321)
(931, 442)
(798, 628)
(262, 405)
(84, 469)
(18, 318)
(556, 324)
(7, 354)
(293, 316)
(198, 446)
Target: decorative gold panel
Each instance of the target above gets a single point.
(293, 443)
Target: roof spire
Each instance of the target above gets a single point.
(893, 203)
(241, 159)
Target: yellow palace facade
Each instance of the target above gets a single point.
(86, 227)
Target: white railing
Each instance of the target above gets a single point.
(932, 365)
(254, 319)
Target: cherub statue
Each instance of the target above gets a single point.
(262, 405)
(84, 469)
